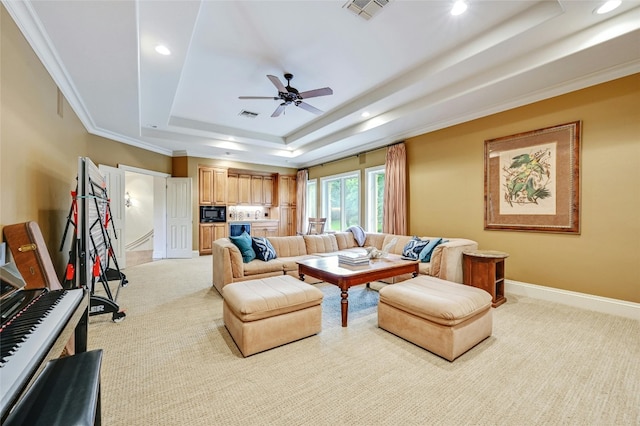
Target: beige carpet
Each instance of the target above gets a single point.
(172, 362)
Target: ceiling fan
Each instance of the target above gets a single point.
(290, 95)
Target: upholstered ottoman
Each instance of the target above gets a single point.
(264, 313)
(440, 316)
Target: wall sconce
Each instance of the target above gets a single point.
(127, 200)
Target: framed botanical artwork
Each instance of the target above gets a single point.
(532, 180)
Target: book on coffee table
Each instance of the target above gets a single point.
(353, 259)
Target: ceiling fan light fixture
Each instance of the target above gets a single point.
(607, 7)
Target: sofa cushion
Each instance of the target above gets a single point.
(244, 244)
(376, 240)
(413, 248)
(288, 246)
(258, 267)
(320, 243)
(345, 240)
(263, 248)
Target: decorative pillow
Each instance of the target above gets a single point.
(425, 254)
(243, 242)
(413, 248)
(263, 248)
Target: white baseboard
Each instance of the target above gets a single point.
(579, 300)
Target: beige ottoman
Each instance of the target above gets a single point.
(440, 316)
(264, 313)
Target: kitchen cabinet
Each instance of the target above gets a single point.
(265, 228)
(286, 190)
(256, 190)
(267, 191)
(232, 189)
(287, 221)
(212, 186)
(244, 189)
(209, 232)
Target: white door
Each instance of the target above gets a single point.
(114, 179)
(179, 218)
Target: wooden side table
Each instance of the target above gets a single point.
(485, 269)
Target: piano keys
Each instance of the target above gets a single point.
(36, 325)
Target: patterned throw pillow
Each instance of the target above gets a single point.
(413, 248)
(243, 242)
(263, 248)
(425, 254)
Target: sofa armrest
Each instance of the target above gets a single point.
(446, 260)
(227, 263)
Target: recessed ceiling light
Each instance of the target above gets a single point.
(163, 50)
(458, 8)
(608, 7)
(365, 114)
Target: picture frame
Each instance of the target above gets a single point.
(532, 180)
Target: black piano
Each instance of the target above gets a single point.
(36, 326)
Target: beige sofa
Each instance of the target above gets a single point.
(446, 260)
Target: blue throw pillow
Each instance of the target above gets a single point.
(413, 248)
(243, 242)
(425, 254)
(263, 248)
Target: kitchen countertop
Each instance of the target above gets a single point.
(252, 220)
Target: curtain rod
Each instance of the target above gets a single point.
(354, 155)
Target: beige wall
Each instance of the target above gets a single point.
(39, 149)
(446, 190)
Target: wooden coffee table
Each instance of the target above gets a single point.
(328, 269)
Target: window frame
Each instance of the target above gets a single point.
(324, 207)
(370, 198)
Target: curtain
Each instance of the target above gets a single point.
(301, 201)
(394, 219)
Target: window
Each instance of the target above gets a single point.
(341, 200)
(312, 198)
(374, 198)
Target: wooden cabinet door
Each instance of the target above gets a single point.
(206, 239)
(292, 191)
(219, 186)
(232, 189)
(244, 189)
(256, 190)
(272, 231)
(205, 185)
(287, 221)
(219, 231)
(267, 191)
(287, 190)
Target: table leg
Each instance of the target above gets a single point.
(301, 277)
(344, 306)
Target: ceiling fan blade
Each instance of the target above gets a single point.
(317, 92)
(278, 110)
(258, 97)
(308, 107)
(276, 82)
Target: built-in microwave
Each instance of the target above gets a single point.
(213, 214)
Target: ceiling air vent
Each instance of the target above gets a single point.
(248, 114)
(365, 8)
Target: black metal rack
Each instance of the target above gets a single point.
(91, 257)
